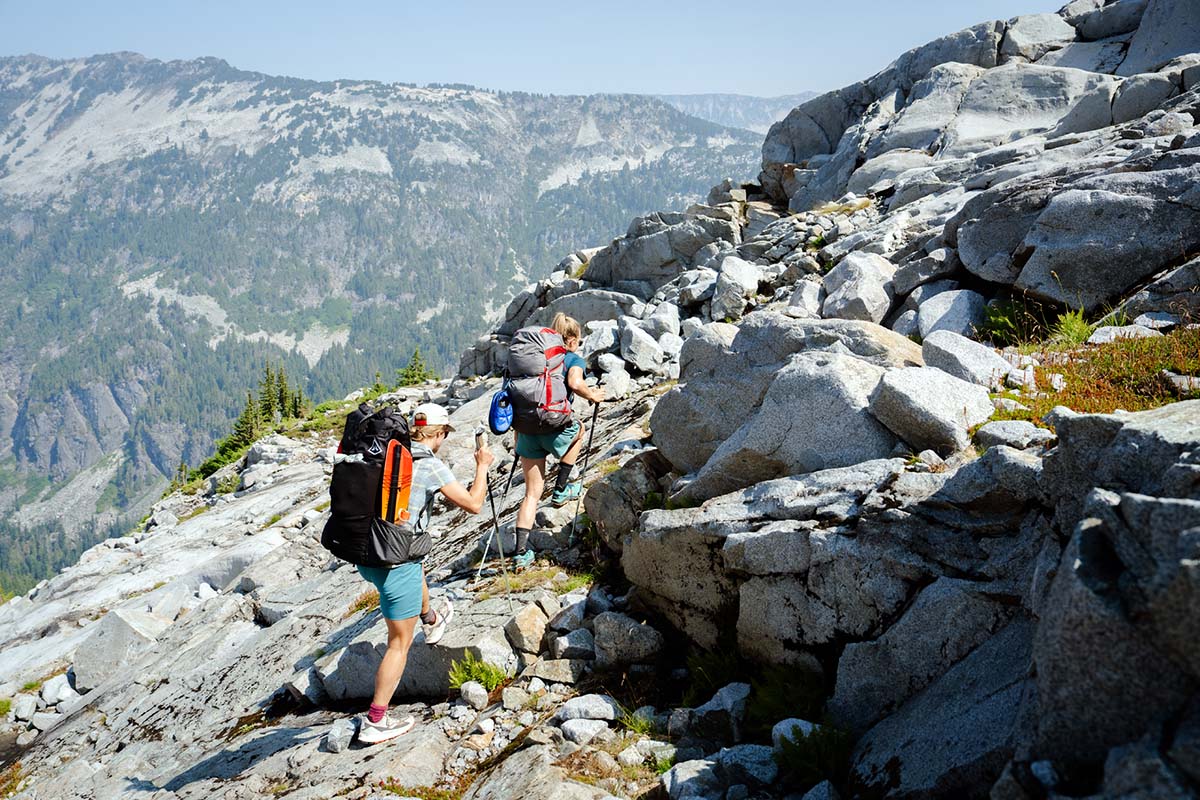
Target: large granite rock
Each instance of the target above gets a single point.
(966, 359)
(930, 409)
(589, 305)
(814, 416)
(726, 371)
(658, 247)
(1167, 29)
(958, 733)
(615, 502)
(1033, 35)
(120, 637)
(859, 288)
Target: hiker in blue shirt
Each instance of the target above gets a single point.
(564, 445)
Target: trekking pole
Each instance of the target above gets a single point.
(587, 452)
(495, 519)
(479, 440)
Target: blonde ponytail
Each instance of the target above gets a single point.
(566, 327)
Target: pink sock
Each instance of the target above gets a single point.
(375, 713)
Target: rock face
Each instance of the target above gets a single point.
(936, 678)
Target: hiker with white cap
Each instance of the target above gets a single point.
(403, 592)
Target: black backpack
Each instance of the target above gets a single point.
(369, 522)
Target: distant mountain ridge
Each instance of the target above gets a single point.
(166, 227)
(737, 110)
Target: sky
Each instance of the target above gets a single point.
(558, 47)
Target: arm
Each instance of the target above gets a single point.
(577, 384)
(471, 500)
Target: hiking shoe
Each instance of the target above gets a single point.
(384, 730)
(524, 560)
(571, 492)
(435, 631)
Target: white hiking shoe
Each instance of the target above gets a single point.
(384, 730)
(435, 632)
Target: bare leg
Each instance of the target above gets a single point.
(534, 470)
(387, 677)
(572, 455)
(424, 595)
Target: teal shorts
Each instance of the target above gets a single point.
(399, 589)
(555, 444)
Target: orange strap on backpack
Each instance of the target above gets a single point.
(397, 483)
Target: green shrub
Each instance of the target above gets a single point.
(229, 484)
(471, 669)
(824, 754)
(5, 706)
(1071, 329)
(662, 765)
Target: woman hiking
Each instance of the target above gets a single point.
(403, 592)
(565, 444)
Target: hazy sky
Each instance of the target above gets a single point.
(559, 47)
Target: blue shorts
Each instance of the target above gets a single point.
(399, 589)
(555, 444)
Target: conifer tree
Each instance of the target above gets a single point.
(245, 429)
(298, 404)
(417, 371)
(282, 395)
(267, 397)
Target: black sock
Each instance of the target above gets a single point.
(522, 540)
(564, 477)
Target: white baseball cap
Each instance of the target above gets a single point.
(430, 414)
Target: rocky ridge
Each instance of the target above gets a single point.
(994, 608)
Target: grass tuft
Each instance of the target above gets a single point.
(708, 672)
(780, 692)
(367, 601)
(823, 755)
(472, 669)
(634, 723)
(421, 792)
(1071, 329)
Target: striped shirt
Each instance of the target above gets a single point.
(430, 474)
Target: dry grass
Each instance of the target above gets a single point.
(842, 208)
(583, 767)
(367, 601)
(11, 778)
(1125, 374)
(515, 582)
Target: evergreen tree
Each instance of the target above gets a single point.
(267, 396)
(282, 395)
(299, 404)
(245, 429)
(417, 371)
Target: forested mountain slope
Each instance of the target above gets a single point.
(165, 228)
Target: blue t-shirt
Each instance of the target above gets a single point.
(572, 360)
